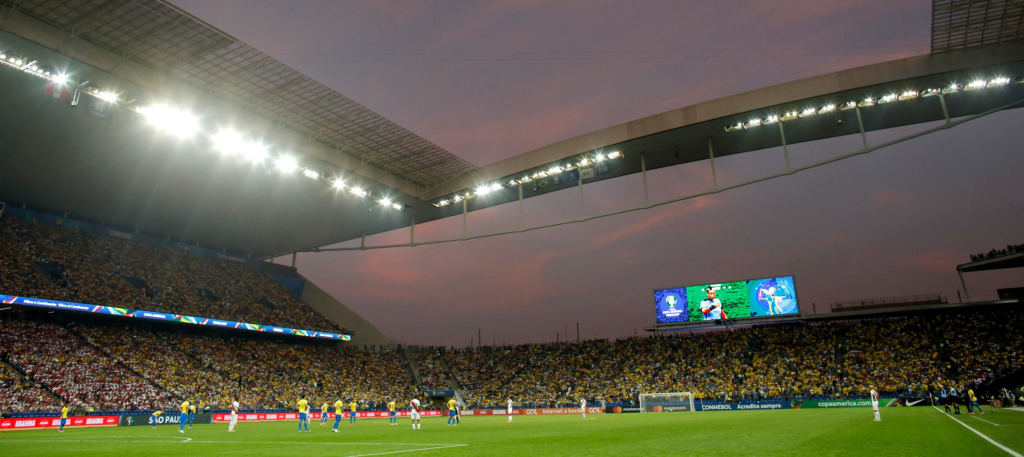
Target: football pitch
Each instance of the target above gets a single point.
(838, 432)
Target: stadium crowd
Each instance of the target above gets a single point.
(52, 357)
(124, 274)
(1010, 249)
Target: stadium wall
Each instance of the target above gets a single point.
(363, 332)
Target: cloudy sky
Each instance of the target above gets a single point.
(488, 80)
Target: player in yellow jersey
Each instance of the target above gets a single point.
(63, 418)
(184, 416)
(339, 409)
(323, 414)
(191, 414)
(303, 406)
(451, 412)
(392, 415)
(973, 402)
(155, 416)
(352, 406)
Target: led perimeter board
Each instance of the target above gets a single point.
(727, 300)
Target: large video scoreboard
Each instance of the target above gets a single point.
(727, 300)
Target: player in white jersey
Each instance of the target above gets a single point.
(234, 415)
(874, 404)
(583, 407)
(414, 413)
(510, 409)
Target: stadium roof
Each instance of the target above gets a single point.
(123, 174)
(962, 24)
(161, 36)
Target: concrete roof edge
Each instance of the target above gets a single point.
(815, 86)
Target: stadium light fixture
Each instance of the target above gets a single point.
(396, 206)
(442, 203)
(771, 119)
(357, 191)
(555, 170)
(1001, 81)
(286, 164)
(975, 85)
(847, 106)
(338, 184)
(228, 142)
(734, 127)
(951, 89)
(584, 162)
(311, 174)
(175, 122)
(907, 95)
(60, 79)
(790, 115)
(930, 93)
(106, 96)
(808, 112)
(888, 98)
(615, 155)
(385, 202)
(867, 102)
(827, 109)
(752, 123)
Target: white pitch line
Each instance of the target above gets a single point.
(983, 420)
(410, 450)
(990, 440)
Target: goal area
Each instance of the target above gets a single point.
(666, 402)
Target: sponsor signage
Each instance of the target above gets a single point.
(741, 406)
(249, 417)
(172, 418)
(439, 393)
(622, 409)
(46, 422)
(831, 404)
(142, 314)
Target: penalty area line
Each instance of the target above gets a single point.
(410, 450)
(990, 440)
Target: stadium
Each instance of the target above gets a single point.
(203, 249)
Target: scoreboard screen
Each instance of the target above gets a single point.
(727, 300)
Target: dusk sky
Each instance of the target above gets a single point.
(488, 80)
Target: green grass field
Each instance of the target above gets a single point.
(815, 432)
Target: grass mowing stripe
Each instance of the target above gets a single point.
(990, 440)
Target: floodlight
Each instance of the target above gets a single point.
(908, 95)
(615, 155)
(790, 115)
(396, 206)
(584, 162)
(496, 187)
(771, 119)
(888, 98)
(867, 102)
(554, 169)
(848, 105)
(752, 123)
(951, 89)
(286, 164)
(999, 82)
(734, 127)
(442, 203)
(172, 121)
(311, 174)
(512, 183)
(59, 79)
(386, 202)
(827, 109)
(106, 96)
(808, 112)
(228, 142)
(976, 85)
(930, 92)
(525, 179)
(338, 184)
(357, 191)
